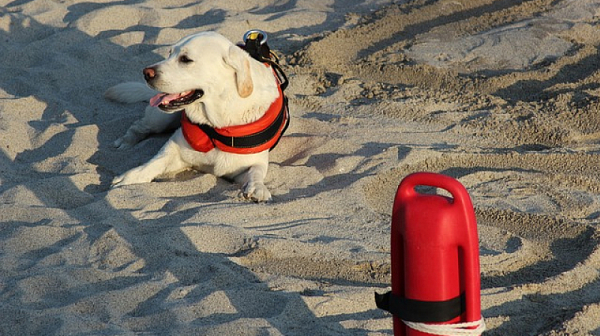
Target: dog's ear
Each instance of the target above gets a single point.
(240, 62)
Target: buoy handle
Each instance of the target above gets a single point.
(460, 196)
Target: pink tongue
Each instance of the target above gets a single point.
(164, 98)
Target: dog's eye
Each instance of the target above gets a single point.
(185, 59)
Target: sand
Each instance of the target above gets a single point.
(502, 95)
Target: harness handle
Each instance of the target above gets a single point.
(255, 44)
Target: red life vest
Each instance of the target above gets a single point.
(255, 137)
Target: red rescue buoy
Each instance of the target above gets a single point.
(435, 259)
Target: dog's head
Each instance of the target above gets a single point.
(198, 66)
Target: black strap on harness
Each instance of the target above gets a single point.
(421, 311)
(256, 139)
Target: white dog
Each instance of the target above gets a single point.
(230, 105)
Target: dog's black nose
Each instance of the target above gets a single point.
(149, 74)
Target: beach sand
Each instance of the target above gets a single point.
(502, 95)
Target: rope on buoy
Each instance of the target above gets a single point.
(457, 329)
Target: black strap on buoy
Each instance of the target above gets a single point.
(421, 311)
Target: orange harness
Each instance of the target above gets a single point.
(255, 137)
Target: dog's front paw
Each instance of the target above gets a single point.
(256, 191)
(121, 144)
(129, 140)
(133, 176)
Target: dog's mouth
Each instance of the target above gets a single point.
(175, 101)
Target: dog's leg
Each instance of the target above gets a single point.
(252, 182)
(153, 121)
(168, 160)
